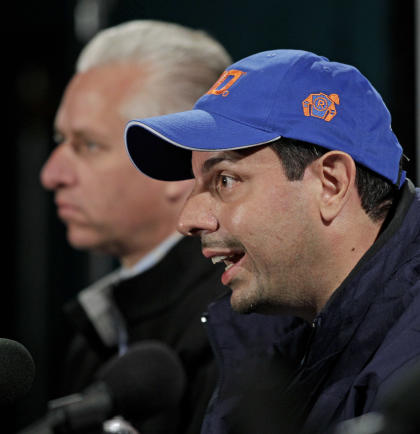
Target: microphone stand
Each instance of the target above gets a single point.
(118, 425)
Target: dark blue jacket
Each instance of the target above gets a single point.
(342, 363)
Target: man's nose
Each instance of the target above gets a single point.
(57, 170)
(197, 216)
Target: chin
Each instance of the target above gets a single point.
(243, 305)
(80, 246)
(81, 241)
(247, 305)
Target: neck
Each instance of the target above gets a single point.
(344, 249)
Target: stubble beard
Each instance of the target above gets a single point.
(248, 297)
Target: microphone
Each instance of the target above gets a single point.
(17, 371)
(147, 380)
(118, 425)
(398, 410)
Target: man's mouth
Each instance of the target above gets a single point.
(232, 254)
(229, 260)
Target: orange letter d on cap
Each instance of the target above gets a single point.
(234, 74)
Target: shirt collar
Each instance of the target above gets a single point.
(152, 258)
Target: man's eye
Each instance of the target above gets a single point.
(58, 138)
(85, 146)
(91, 145)
(225, 182)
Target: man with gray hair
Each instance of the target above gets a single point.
(138, 68)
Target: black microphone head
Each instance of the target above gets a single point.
(148, 379)
(17, 371)
(401, 405)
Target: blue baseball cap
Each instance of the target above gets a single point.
(266, 96)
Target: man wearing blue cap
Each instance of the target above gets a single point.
(299, 190)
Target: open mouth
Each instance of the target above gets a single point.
(229, 261)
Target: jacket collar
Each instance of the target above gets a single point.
(366, 290)
(146, 294)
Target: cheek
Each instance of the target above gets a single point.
(136, 194)
(267, 225)
(108, 192)
(238, 220)
(246, 225)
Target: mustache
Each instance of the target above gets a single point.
(226, 243)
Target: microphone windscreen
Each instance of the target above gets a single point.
(401, 405)
(146, 380)
(17, 371)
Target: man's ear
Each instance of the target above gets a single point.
(178, 190)
(337, 173)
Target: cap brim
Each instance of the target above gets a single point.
(160, 147)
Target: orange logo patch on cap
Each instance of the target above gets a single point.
(321, 106)
(234, 75)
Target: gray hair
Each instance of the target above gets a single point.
(181, 63)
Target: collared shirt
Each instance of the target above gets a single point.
(98, 302)
(151, 259)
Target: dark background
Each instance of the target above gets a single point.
(40, 43)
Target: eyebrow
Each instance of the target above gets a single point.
(232, 157)
(79, 134)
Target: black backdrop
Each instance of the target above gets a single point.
(39, 47)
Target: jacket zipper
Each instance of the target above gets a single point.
(314, 325)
